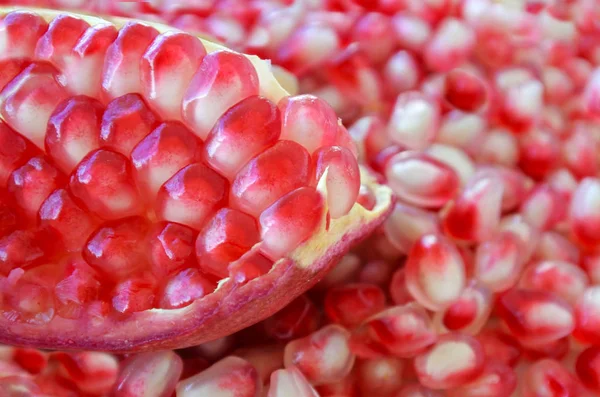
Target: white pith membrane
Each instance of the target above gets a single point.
(174, 326)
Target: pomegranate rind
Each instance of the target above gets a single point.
(232, 306)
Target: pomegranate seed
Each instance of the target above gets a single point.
(57, 43)
(435, 185)
(498, 146)
(587, 367)
(249, 266)
(370, 134)
(402, 72)
(587, 316)
(184, 288)
(560, 278)
(497, 380)
(351, 304)
(244, 131)
(343, 178)
(149, 374)
(500, 347)
(21, 31)
(535, 317)
(398, 290)
(435, 272)
(468, 313)
(455, 360)
(31, 184)
(475, 214)
(82, 70)
(126, 122)
(549, 378)
(412, 32)
(591, 98)
(415, 120)
(407, 224)
(27, 102)
(298, 319)
(417, 390)
(449, 46)
(223, 79)
(499, 262)
(527, 234)
(455, 158)
(73, 131)
(557, 350)
(11, 68)
(374, 32)
(543, 208)
(584, 213)
(166, 69)
(21, 249)
(464, 90)
(121, 72)
(379, 376)
(290, 382)
(342, 272)
(29, 303)
(463, 130)
(162, 153)
(579, 153)
(230, 376)
(553, 246)
(404, 331)
(79, 287)
(115, 249)
(32, 360)
(135, 294)
(191, 195)
(15, 151)
(290, 221)
(266, 359)
(92, 372)
(171, 248)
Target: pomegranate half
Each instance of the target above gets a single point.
(158, 190)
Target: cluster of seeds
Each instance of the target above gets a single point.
(137, 169)
(483, 118)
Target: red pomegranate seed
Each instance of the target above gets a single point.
(557, 350)
(266, 359)
(289, 382)
(298, 319)
(421, 180)
(343, 178)
(323, 356)
(27, 102)
(455, 360)
(587, 367)
(374, 32)
(171, 248)
(585, 212)
(587, 316)
(73, 131)
(342, 272)
(15, 151)
(21, 31)
(250, 266)
(497, 380)
(563, 279)
(475, 214)
(579, 152)
(539, 153)
(28, 302)
(225, 238)
(57, 43)
(499, 262)
(166, 69)
(31, 184)
(455, 158)
(184, 288)
(351, 304)
(449, 46)
(8, 215)
(591, 94)
(398, 290)
(591, 265)
(366, 198)
(464, 90)
(404, 331)
(92, 372)
(468, 313)
(80, 286)
(115, 250)
(435, 272)
(415, 120)
(126, 122)
(370, 134)
(549, 378)
(407, 224)
(535, 317)
(104, 182)
(82, 71)
(121, 72)
(500, 347)
(162, 153)
(244, 131)
(135, 294)
(223, 79)
(191, 196)
(287, 162)
(230, 376)
(309, 47)
(151, 374)
(346, 387)
(527, 234)
(290, 221)
(21, 249)
(379, 376)
(32, 360)
(10, 69)
(417, 390)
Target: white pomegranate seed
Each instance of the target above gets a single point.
(549, 378)
(149, 374)
(527, 234)
(166, 69)
(554, 246)
(244, 131)
(223, 79)
(579, 152)
(463, 130)
(587, 316)
(435, 272)
(535, 317)
(455, 158)
(370, 134)
(342, 180)
(469, 313)
(121, 71)
(27, 102)
(499, 262)
(515, 185)
(421, 180)
(351, 304)
(191, 196)
(497, 380)
(407, 224)
(456, 359)
(229, 377)
(402, 72)
(415, 120)
(290, 382)
(585, 212)
(563, 279)
(498, 146)
(404, 331)
(379, 376)
(412, 32)
(266, 359)
(19, 34)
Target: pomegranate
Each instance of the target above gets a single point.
(165, 190)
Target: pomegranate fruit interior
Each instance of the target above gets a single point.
(158, 190)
